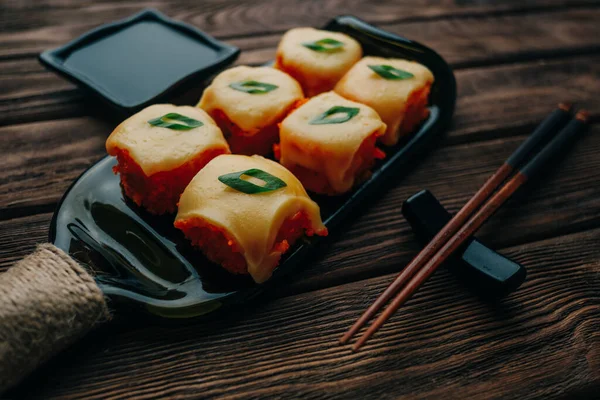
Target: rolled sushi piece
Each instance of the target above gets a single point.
(397, 89)
(329, 143)
(317, 59)
(160, 149)
(245, 212)
(248, 103)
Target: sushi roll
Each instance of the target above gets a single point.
(329, 143)
(244, 212)
(317, 59)
(397, 89)
(160, 149)
(247, 103)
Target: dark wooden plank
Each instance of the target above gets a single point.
(478, 39)
(542, 341)
(19, 237)
(46, 157)
(32, 93)
(43, 158)
(512, 99)
(28, 30)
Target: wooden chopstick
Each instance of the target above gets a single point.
(532, 168)
(544, 131)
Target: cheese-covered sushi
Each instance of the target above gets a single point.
(247, 103)
(329, 143)
(160, 149)
(397, 89)
(244, 212)
(317, 59)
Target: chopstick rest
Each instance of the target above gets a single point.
(481, 269)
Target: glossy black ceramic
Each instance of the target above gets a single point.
(142, 261)
(140, 60)
(480, 268)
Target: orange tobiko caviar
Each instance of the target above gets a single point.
(160, 149)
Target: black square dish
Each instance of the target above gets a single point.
(138, 61)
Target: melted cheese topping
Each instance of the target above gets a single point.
(387, 97)
(252, 219)
(157, 149)
(251, 112)
(317, 71)
(327, 148)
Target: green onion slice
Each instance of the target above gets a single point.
(253, 87)
(325, 118)
(391, 73)
(234, 180)
(185, 125)
(326, 45)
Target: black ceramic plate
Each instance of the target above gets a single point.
(138, 61)
(142, 261)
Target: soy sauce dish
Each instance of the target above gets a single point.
(130, 84)
(199, 208)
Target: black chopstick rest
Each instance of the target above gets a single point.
(483, 270)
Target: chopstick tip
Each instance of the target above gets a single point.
(565, 106)
(363, 339)
(582, 115)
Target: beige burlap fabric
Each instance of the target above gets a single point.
(47, 301)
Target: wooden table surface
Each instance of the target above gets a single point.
(514, 61)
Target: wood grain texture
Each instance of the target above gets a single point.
(543, 341)
(44, 158)
(71, 147)
(566, 27)
(31, 26)
(20, 236)
(32, 93)
(514, 61)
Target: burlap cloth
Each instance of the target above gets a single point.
(47, 301)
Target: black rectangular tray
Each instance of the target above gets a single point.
(142, 261)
